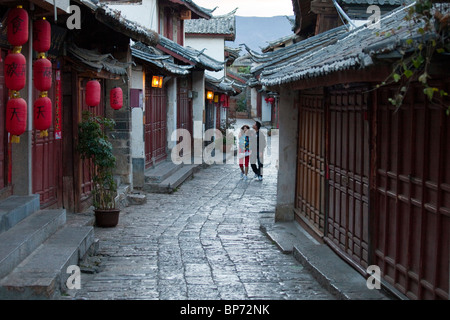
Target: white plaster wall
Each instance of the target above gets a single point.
(145, 13)
(266, 110)
(215, 49)
(137, 117)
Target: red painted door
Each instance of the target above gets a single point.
(412, 197)
(3, 133)
(155, 124)
(47, 161)
(349, 172)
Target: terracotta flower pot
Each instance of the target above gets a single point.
(107, 218)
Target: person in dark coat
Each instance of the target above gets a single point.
(257, 145)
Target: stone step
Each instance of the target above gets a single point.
(20, 241)
(16, 208)
(161, 172)
(43, 274)
(173, 181)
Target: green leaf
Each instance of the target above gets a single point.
(409, 41)
(418, 61)
(396, 77)
(429, 92)
(443, 93)
(440, 50)
(408, 73)
(423, 78)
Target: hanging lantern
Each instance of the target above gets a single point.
(271, 100)
(209, 95)
(16, 118)
(41, 35)
(15, 71)
(157, 82)
(93, 93)
(43, 114)
(42, 69)
(17, 25)
(116, 98)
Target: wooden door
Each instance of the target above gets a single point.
(3, 133)
(412, 211)
(184, 106)
(310, 191)
(155, 124)
(349, 170)
(47, 160)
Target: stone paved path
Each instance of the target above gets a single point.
(201, 242)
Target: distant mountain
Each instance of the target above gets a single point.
(256, 32)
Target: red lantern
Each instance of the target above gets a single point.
(42, 69)
(16, 118)
(271, 100)
(43, 115)
(116, 98)
(17, 26)
(41, 35)
(93, 93)
(15, 71)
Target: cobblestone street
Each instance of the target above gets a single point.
(201, 242)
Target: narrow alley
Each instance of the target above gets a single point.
(201, 242)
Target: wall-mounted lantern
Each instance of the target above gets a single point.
(157, 82)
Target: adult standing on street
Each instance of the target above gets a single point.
(257, 145)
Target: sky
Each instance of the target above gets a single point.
(249, 8)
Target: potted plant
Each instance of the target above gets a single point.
(94, 146)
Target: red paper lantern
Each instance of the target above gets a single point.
(116, 98)
(93, 93)
(41, 35)
(16, 118)
(43, 115)
(17, 26)
(271, 100)
(15, 71)
(42, 69)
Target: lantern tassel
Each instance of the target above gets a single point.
(15, 139)
(17, 49)
(44, 133)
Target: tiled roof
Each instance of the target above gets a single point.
(374, 2)
(270, 59)
(116, 21)
(98, 61)
(206, 13)
(156, 58)
(219, 25)
(193, 56)
(353, 50)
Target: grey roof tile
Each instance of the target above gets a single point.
(353, 50)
